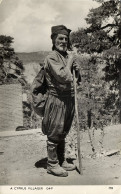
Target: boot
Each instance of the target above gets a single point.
(53, 166)
(62, 159)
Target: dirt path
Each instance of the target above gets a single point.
(23, 161)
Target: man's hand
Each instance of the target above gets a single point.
(71, 60)
(76, 66)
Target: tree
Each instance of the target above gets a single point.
(11, 68)
(103, 35)
(106, 19)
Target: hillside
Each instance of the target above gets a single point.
(31, 63)
(37, 57)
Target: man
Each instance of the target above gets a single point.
(59, 108)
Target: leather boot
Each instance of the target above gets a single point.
(53, 166)
(62, 159)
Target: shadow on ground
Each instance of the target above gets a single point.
(41, 163)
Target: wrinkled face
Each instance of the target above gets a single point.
(61, 42)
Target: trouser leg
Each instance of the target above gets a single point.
(61, 151)
(58, 118)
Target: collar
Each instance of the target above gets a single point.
(64, 54)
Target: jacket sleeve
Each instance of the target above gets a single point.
(60, 72)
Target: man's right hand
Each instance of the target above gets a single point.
(71, 59)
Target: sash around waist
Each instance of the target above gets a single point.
(56, 92)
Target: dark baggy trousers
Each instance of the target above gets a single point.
(58, 117)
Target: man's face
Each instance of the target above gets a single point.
(61, 42)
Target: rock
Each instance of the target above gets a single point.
(20, 128)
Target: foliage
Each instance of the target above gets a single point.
(86, 42)
(91, 96)
(11, 70)
(102, 40)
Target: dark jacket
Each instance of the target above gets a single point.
(58, 76)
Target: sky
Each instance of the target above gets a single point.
(29, 22)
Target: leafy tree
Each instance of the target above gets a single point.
(11, 68)
(103, 36)
(105, 21)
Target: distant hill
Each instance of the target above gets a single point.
(36, 57)
(31, 63)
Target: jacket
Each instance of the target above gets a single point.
(58, 76)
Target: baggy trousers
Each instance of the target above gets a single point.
(58, 117)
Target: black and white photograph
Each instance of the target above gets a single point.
(60, 95)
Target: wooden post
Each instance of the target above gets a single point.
(78, 127)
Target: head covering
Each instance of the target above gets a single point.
(60, 29)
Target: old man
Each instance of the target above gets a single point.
(59, 109)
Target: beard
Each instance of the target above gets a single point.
(61, 47)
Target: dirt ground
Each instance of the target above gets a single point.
(23, 160)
